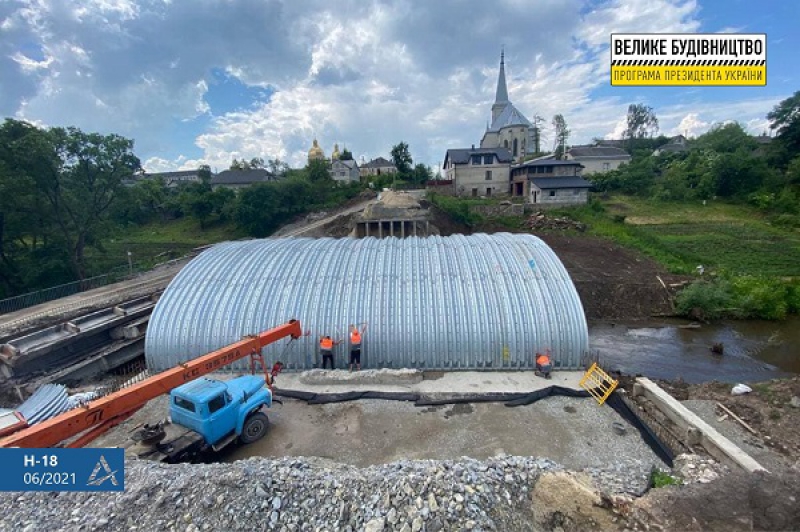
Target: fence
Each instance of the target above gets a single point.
(38, 297)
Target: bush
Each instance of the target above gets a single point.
(760, 298)
(456, 208)
(711, 299)
(660, 479)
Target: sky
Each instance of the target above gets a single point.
(206, 81)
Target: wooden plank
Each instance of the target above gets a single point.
(737, 418)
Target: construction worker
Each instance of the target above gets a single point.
(355, 346)
(326, 344)
(543, 365)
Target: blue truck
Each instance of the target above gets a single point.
(206, 415)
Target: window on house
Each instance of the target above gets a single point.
(216, 403)
(606, 166)
(476, 159)
(487, 159)
(488, 191)
(548, 170)
(515, 147)
(505, 144)
(552, 193)
(474, 192)
(576, 191)
(488, 175)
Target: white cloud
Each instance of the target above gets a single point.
(690, 126)
(362, 73)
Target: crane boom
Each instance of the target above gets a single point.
(123, 403)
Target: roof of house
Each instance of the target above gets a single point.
(548, 162)
(549, 183)
(349, 163)
(672, 147)
(378, 162)
(242, 177)
(509, 116)
(170, 175)
(461, 156)
(598, 151)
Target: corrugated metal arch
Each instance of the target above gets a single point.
(457, 302)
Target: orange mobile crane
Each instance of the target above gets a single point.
(98, 416)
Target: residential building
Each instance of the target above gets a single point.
(237, 179)
(173, 179)
(478, 171)
(547, 191)
(597, 158)
(509, 129)
(675, 145)
(376, 167)
(541, 168)
(345, 171)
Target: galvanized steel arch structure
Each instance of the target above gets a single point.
(457, 302)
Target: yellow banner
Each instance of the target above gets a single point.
(743, 76)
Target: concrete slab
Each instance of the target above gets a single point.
(459, 382)
(696, 429)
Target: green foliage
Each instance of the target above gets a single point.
(346, 155)
(641, 121)
(59, 189)
(713, 299)
(785, 120)
(660, 479)
(262, 208)
(725, 138)
(317, 171)
(740, 297)
(402, 158)
(456, 208)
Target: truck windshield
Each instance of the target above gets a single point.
(185, 404)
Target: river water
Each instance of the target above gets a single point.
(753, 350)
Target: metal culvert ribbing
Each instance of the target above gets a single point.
(457, 302)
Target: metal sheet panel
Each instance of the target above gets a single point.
(457, 302)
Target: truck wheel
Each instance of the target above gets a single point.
(254, 428)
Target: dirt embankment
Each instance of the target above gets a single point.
(614, 283)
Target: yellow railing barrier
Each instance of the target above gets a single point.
(598, 383)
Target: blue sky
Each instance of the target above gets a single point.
(204, 82)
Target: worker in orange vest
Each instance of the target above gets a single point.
(355, 346)
(543, 365)
(326, 344)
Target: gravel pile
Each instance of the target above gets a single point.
(296, 494)
(692, 468)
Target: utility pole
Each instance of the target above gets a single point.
(130, 263)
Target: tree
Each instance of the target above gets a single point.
(277, 167)
(785, 120)
(641, 122)
(346, 155)
(402, 158)
(252, 164)
(204, 173)
(561, 135)
(317, 171)
(82, 185)
(726, 138)
(421, 174)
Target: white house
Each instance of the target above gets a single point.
(345, 171)
(478, 171)
(597, 158)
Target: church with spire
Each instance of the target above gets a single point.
(508, 128)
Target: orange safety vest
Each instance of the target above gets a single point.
(355, 338)
(326, 344)
(542, 360)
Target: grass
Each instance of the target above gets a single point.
(734, 238)
(157, 242)
(660, 479)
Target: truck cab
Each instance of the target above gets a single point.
(222, 411)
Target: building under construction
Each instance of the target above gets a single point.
(458, 302)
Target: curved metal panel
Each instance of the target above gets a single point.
(457, 302)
